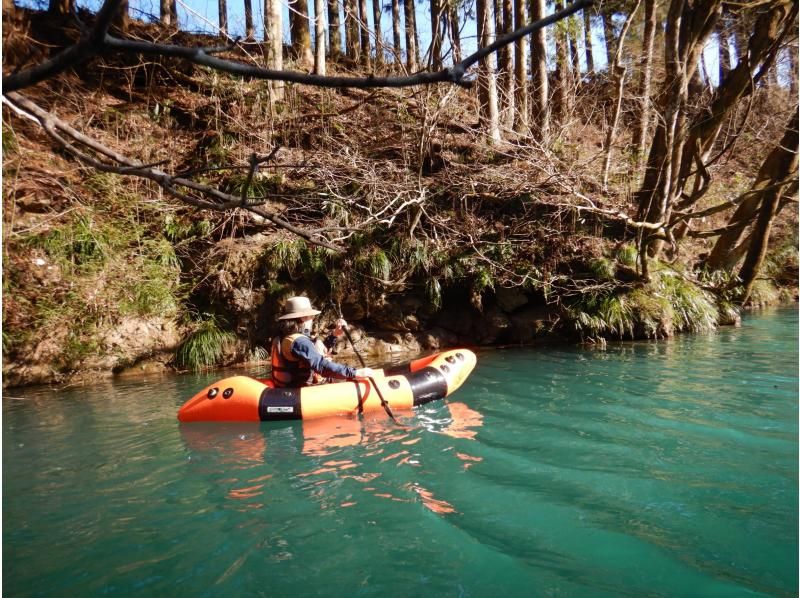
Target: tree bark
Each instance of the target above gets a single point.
(689, 23)
(411, 36)
(572, 35)
(793, 66)
(608, 34)
(249, 29)
(320, 68)
(520, 71)
(273, 33)
(223, 18)
(777, 167)
(455, 30)
(121, 19)
(397, 38)
(377, 30)
(587, 37)
(563, 87)
(363, 23)
(646, 73)
(780, 165)
(772, 24)
(301, 34)
(352, 44)
(487, 84)
(506, 66)
(436, 35)
(539, 81)
(334, 30)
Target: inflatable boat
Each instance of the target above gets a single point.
(242, 398)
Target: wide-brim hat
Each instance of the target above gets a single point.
(298, 307)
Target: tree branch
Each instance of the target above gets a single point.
(215, 199)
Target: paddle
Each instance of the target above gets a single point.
(384, 403)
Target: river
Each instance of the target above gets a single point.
(663, 468)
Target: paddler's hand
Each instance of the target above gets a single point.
(365, 373)
(341, 324)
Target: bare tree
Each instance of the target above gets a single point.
(376, 26)
(563, 86)
(363, 21)
(778, 172)
(521, 123)
(539, 81)
(249, 29)
(646, 74)
(301, 34)
(319, 37)
(454, 29)
(334, 30)
(397, 38)
(487, 84)
(223, 18)
(506, 66)
(412, 52)
(273, 34)
(436, 34)
(618, 75)
(351, 28)
(587, 41)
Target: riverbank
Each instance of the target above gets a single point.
(446, 239)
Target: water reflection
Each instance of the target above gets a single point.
(347, 455)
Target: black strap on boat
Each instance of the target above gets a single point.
(384, 403)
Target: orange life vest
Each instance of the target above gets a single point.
(288, 370)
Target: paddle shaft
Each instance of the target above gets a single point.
(384, 403)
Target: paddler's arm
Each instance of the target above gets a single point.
(304, 347)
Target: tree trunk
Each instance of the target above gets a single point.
(793, 66)
(539, 82)
(273, 34)
(777, 167)
(646, 70)
(334, 30)
(780, 165)
(320, 68)
(173, 11)
(351, 29)
(771, 25)
(223, 18)
(436, 35)
(455, 30)
(608, 34)
(487, 85)
(520, 71)
(10, 11)
(587, 37)
(55, 7)
(249, 30)
(363, 18)
(397, 38)
(561, 95)
(411, 36)
(506, 67)
(689, 23)
(164, 15)
(572, 34)
(376, 25)
(301, 34)
(618, 74)
(120, 20)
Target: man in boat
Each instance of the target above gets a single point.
(298, 360)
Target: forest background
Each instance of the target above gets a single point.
(623, 171)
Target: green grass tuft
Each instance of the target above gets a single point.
(205, 346)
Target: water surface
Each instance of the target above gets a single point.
(645, 469)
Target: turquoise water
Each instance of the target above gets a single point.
(646, 469)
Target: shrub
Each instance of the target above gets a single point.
(205, 346)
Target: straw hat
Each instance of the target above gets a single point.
(298, 307)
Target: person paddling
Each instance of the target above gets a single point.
(296, 358)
